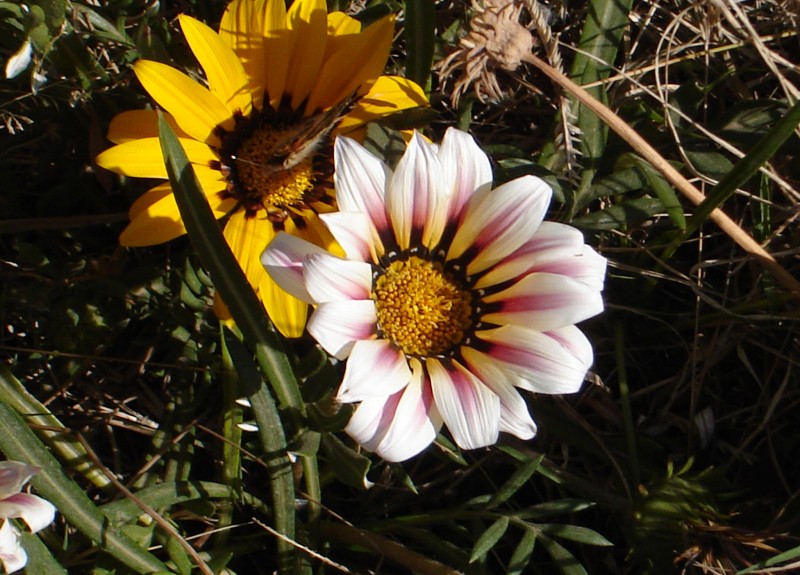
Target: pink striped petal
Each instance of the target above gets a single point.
(338, 325)
(355, 233)
(329, 278)
(554, 362)
(514, 416)
(471, 411)
(283, 259)
(554, 248)
(360, 180)
(416, 199)
(543, 301)
(375, 368)
(398, 427)
(498, 222)
(13, 476)
(465, 166)
(12, 555)
(36, 512)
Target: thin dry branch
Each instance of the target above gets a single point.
(640, 145)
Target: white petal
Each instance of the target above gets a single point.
(283, 260)
(12, 554)
(355, 233)
(543, 301)
(553, 363)
(466, 168)
(514, 416)
(400, 426)
(329, 278)
(498, 222)
(360, 180)
(338, 325)
(13, 476)
(19, 61)
(553, 248)
(417, 199)
(375, 368)
(36, 512)
(471, 411)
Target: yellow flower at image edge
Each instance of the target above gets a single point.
(259, 135)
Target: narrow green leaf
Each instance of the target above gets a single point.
(663, 191)
(50, 430)
(621, 216)
(522, 553)
(249, 316)
(564, 561)
(229, 279)
(774, 561)
(348, 466)
(519, 478)
(40, 560)
(602, 33)
(18, 442)
(550, 508)
(575, 533)
(489, 538)
(420, 35)
(761, 152)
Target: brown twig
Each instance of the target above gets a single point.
(644, 149)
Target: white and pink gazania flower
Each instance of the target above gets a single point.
(452, 296)
(36, 512)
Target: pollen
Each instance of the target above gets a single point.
(421, 308)
(262, 181)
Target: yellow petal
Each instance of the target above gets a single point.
(277, 50)
(143, 158)
(135, 124)
(226, 76)
(241, 29)
(247, 238)
(196, 110)
(350, 61)
(340, 24)
(155, 217)
(308, 22)
(387, 95)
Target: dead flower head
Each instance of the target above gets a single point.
(496, 39)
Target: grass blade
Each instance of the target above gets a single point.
(419, 34)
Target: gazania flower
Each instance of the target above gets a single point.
(35, 511)
(452, 296)
(259, 133)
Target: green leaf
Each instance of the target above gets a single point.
(251, 319)
(563, 559)
(621, 216)
(522, 553)
(575, 533)
(19, 443)
(519, 478)
(550, 508)
(49, 428)
(40, 560)
(663, 191)
(489, 539)
(602, 33)
(348, 466)
(419, 33)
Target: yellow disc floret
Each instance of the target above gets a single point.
(421, 308)
(266, 182)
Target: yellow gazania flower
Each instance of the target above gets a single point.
(271, 74)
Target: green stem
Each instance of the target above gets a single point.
(18, 442)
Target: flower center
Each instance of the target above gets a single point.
(273, 164)
(420, 307)
(263, 179)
